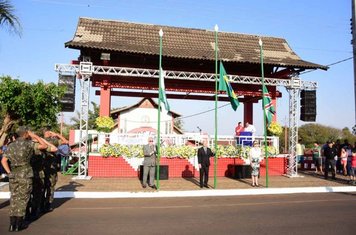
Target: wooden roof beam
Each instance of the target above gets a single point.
(177, 96)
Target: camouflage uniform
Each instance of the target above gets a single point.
(51, 167)
(19, 154)
(36, 200)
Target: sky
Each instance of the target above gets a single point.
(318, 31)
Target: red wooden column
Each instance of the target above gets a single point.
(105, 94)
(248, 112)
(105, 99)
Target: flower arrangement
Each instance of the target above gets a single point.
(228, 151)
(271, 150)
(117, 150)
(185, 151)
(275, 129)
(104, 124)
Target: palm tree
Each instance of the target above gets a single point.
(7, 17)
(92, 115)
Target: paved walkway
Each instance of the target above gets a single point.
(131, 187)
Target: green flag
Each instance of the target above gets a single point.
(268, 109)
(163, 97)
(224, 85)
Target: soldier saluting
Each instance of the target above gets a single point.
(35, 205)
(19, 153)
(51, 167)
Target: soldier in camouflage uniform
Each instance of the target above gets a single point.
(37, 162)
(19, 154)
(51, 167)
(35, 202)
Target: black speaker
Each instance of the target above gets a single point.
(308, 105)
(242, 171)
(163, 173)
(68, 100)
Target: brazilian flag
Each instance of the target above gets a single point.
(224, 85)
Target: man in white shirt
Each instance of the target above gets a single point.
(250, 128)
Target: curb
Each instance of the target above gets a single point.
(198, 193)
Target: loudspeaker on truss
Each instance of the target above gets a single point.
(308, 105)
(68, 100)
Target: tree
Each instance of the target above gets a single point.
(317, 133)
(8, 18)
(178, 123)
(92, 115)
(347, 135)
(35, 105)
(311, 133)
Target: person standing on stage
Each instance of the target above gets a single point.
(204, 154)
(255, 157)
(238, 129)
(19, 153)
(250, 128)
(149, 163)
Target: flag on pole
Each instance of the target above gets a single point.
(268, 109)
(224, 85)
(162, 90)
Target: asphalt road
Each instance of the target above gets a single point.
(328, 213)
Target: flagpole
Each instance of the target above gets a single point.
(264, 110)
(216, 105)
(159, 108)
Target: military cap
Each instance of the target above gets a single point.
(22, 130)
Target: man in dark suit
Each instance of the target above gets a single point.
(204, 154)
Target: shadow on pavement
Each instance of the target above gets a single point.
(4, 204)
(193, 180)
(341, 179)
(72, 186)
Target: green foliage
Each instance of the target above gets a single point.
(178, 122)
(311, 133)
(347, 135)
(316, 133)
(92, 116)
(8, 18)
(35, 105)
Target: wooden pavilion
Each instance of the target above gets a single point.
(133, 45)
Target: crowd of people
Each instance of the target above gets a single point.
(334, 157)
(31, 164)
